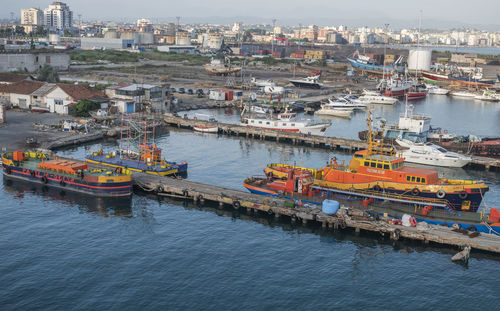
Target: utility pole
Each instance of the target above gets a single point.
(300, 31)
(274, 36)
(178, 19)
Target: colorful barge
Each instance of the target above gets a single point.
(67, 174)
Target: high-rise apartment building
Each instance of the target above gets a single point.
(58, 16)
(32, 17)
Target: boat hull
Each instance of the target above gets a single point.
(118, 189)
(206, 129)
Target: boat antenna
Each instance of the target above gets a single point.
(369, 123)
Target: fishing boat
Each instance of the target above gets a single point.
(286, 122)
(221, 68)
(205, 127)
(139, 153)
(395, 87)
(66, 173)
(311, 82)
(431, 154)
(416, 92)
(373, 97)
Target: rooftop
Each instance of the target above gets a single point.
(25, 87)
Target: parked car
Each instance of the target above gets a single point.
(199, 92)
(181, 90)
(190, 92)
(173, 90)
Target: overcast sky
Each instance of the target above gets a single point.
(436, 13)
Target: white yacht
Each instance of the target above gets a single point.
(347, 101)
(286, 122)
(464, 94)
(260, 109)
(311, 82)
(372, 97)
(430, 154)
(488, 95)
(436, 90)
(329, 110)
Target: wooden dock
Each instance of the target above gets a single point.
(351, 218)
(325, 142)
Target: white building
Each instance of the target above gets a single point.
(32, 16)
(58, 16)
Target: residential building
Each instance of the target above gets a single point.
(58, 16)
(62, 96)
(32, 16)
(21, 94)
(129, 98)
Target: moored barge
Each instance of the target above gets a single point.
(65, 173)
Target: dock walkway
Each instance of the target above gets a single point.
(278, 207)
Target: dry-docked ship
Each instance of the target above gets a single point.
(66, 173)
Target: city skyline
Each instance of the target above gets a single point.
(442, 14)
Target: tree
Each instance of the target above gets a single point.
(19, 30)
(67, 33)
(48, 74)
(83, 108)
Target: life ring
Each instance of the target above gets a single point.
(472, 228)
(415, 191)
(462, 195)
(377, 188)
(159, 189)
(440, 194)
(236, 204)
(185, 192)
(44, 179)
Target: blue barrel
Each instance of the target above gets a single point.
(330, 207)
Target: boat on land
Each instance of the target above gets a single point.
(369, 62)
(138, 153)
(431, 154)
(395, 86)
(221, 67)
(66, 173)
(311, 82)
(285, 122)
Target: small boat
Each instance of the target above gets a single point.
(346, 101)
(66, 173)
(206, 129)
(436, 90)
(311, 82)
(260, 109)
(40, 109)
(286, 122)
(430, 154)
(373, 97)
(488, 95)
(463, 94)
(438, 134)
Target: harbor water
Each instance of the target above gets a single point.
(64, 251)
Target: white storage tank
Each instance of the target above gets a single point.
(54, 38)
(419, 60)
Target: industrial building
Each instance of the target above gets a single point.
(31, 62)
(179, 49)
(92, 43)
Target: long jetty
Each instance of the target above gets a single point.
(326, 142)
(346, 218)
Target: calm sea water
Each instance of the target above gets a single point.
(61, 251)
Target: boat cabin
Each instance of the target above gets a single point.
(150, 153)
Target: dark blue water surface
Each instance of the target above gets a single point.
(62, 251)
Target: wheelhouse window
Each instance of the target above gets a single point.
(418, 179)
(408, 178)
(268, 123)
(367, 163)
(373, 164)
(423, 180)
(386, 166)
(260, 122)
(413, 178)
(379, 165)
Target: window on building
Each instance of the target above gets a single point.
(58, 102)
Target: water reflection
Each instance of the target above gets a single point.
(105, 207)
